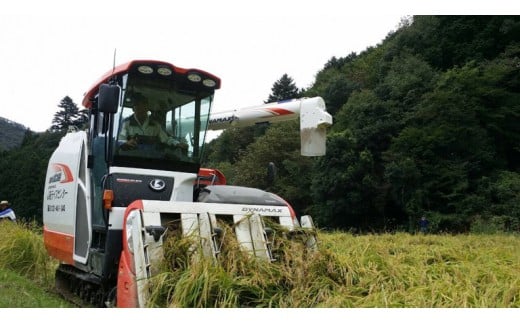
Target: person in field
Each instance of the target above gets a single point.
(423, 224)
(6, 212)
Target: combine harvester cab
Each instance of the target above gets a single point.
(108, 208)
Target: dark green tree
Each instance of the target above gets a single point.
(344, 186)
(68, 115)
(448, 41)
(283, 89)
(82, 119)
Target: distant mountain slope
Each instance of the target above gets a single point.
(11, 134)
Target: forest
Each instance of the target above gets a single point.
(426, 123)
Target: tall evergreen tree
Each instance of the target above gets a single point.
(283, 89)
(82, 118)
(68, 115)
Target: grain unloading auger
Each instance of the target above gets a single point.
(107, 209)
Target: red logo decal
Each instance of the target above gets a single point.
(61, 174)
(279, 111)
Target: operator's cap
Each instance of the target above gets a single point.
(4, 202)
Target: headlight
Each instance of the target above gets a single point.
(129, 237)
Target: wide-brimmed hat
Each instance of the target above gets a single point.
(4, 202)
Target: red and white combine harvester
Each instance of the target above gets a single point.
(106, 209)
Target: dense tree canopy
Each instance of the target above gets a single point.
(435, 131)
(426, 123)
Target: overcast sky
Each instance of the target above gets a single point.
(52, 49)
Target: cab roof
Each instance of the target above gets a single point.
(90, 95)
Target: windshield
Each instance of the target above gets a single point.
(161, 124)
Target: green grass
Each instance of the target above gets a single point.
(22, 251)
(17, 291)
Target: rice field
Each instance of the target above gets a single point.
(348, 271)
(22, 251)
(427, 271)
(368, 271)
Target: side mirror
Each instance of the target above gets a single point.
(108, 98)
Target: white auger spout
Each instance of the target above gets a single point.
(314, 120)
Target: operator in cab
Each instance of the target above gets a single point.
(140, 129)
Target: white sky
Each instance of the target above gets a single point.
(50, 49)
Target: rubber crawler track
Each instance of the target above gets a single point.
(82, 289)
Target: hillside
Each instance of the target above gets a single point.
(12, 134)
(425, 124)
